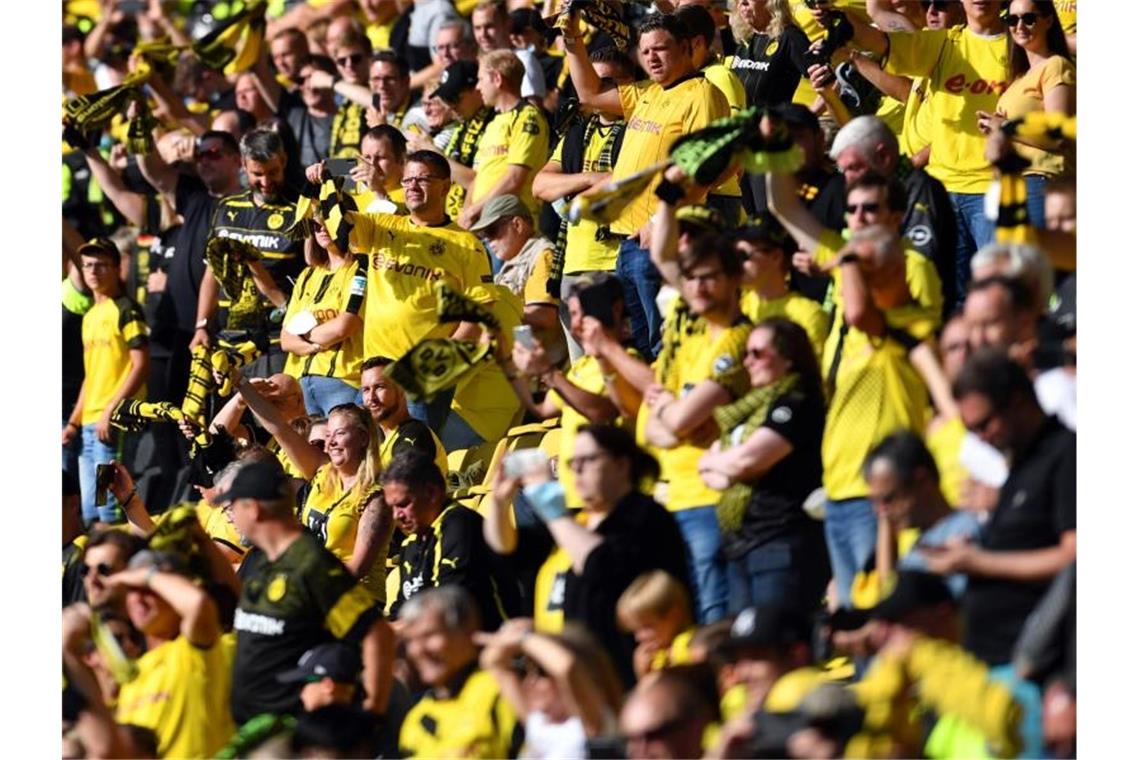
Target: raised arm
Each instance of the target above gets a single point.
(859, 310)
(130, 204)
(304, 457)
(587, 83)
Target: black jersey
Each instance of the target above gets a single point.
(770, 69)
(263, 226)
(303, 598)
(453, 551)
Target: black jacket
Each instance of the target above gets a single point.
(639, 535)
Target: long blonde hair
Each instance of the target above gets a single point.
(781, 19)
(368, 471)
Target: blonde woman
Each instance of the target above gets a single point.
(772, 54)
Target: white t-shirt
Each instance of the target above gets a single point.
(566, 740)
(534, 83)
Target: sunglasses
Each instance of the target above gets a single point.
(1028, 19)
(867, 208)
(759, 353)
(102, 570)
(350, 60)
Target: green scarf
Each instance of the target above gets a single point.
(748, 413)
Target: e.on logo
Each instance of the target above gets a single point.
(957, 85)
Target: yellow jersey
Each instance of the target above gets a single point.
(945, 444)
(584, 251)
(655, 117)
(550, 589)
(586, 373)
(111, 328)
(729, 85)
(332, 514)
(916, 123)
(326, 294)
(405, 262)
(877, 391)
(476, 722)
(797, 307)
(413, 434)
(1026, 95)
(1067, 15)
(485, 399)
(182, 693)
(519, 137)
(690, 355)
(219, 527)
(967, 74)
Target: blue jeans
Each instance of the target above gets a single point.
(92, 453)
(323, 393)
(790, 572)
(1035, 199)
(433, 414)
(71, 452)
(457, 434)
(701, 531)
(640, 281)
(974, 231)
(1028, 695)
(850, 526)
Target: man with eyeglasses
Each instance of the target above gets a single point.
(408, 255)
(967, 72)
(1031, 535)
(865, 145)
(116, 360)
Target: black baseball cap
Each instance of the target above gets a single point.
(797, 115)
(913, 591)
(335, 660)
(263, 481)
(100, 246)
(768, 626)
(455, 79)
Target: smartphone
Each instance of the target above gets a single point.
(104, 477)
(598, 302)
(376, 101)
(134, 7)
(522, 462)
(340, 167)
(524, 334)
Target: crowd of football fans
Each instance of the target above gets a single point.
(497, 378)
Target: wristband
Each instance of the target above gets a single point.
(669, 192)
(201, 324)
(71, 424)
(134, 492)
(849, 258)
(150, 574)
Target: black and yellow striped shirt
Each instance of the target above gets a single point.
(452, 551)
(262, 226)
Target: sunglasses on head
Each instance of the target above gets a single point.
(102, 570)
(1027, 19)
